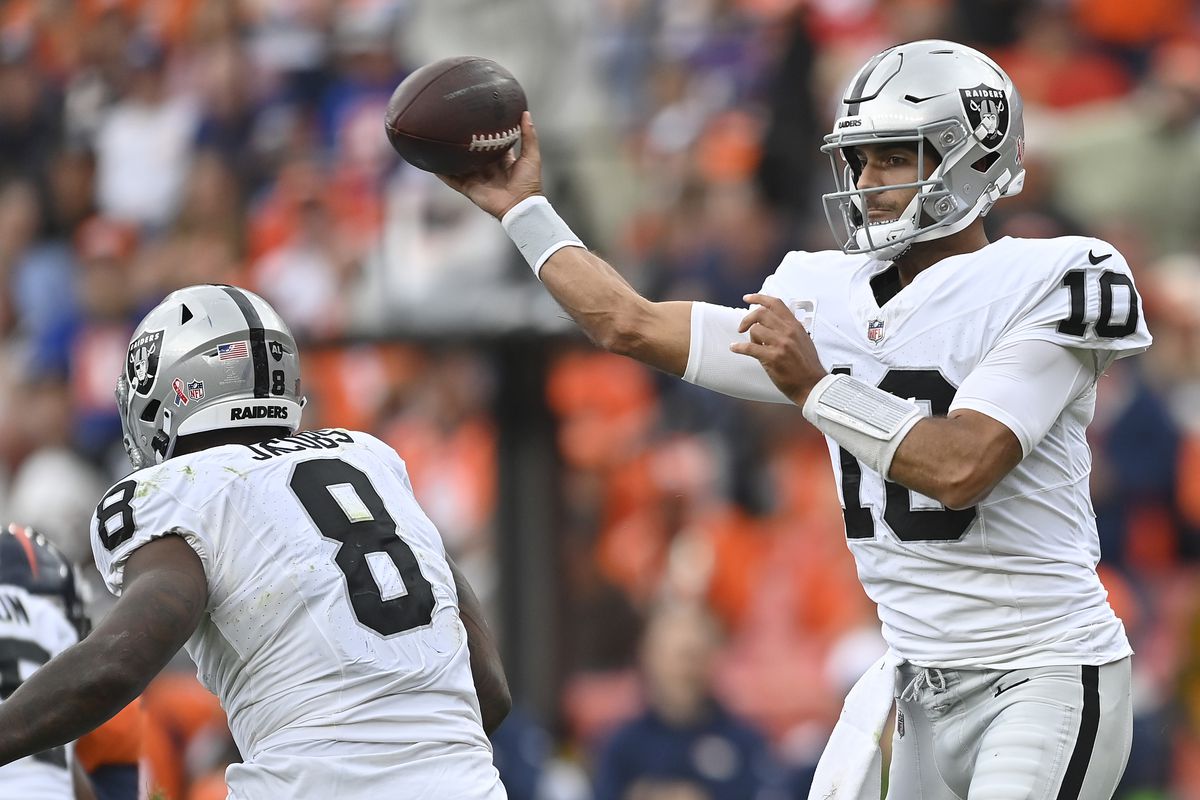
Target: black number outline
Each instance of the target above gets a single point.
(932, 524)
(1076, 283)
(310, 483)
(277, 382)
(1076, 322)
(114, 539)
(1104, 325)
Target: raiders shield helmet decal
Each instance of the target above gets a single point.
(141, 364)
(987, 114)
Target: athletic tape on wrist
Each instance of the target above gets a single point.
(538, 231)
(869, 422)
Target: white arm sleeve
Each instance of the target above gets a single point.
(713, 365)
(1025, 385)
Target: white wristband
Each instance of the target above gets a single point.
(869, 422)
(538, 231)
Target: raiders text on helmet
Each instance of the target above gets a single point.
(958, 107)
(206, 358)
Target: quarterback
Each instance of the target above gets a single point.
(297, 569)
(953, 378)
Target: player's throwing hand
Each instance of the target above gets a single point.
(498, 187)
(782, 345)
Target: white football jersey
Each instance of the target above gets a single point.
(32, 631)
(332, 625)
(1012, 582)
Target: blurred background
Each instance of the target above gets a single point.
(666, 568)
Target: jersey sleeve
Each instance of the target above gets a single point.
(1025, 385)
(1088, 301)
(713, 365)
(144, 507)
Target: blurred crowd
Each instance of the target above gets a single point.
(714, 619)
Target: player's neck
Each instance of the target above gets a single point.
(923, 255)
(203, 441)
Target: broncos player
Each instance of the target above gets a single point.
(953, 379)
(297, 568)
(40, 616)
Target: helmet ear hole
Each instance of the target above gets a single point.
(985, 163)
(150, 412)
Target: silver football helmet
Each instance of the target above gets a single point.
(206, 358)
(935, 94)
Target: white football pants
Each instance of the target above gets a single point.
(1045, 733)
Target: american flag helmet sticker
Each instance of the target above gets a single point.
(233, 351)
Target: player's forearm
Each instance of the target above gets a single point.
(605, 306)
(600, 301)
(487, 673)
(612, 313)
(72, 694)
(163, 600)
(950, 460)
(491, 687)
(487, 670)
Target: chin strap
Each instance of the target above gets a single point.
(163, 443)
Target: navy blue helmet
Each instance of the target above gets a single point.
(29, 561)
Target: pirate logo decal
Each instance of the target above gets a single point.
(141, 364)
(987, 114)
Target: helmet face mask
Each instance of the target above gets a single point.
(206, 358)
(948, 100)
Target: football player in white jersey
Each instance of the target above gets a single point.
(953, 379)
(297, 569)
(40, 616)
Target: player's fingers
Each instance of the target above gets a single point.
(749, 349)
(766, 301)
(753, 316)
(761, 334)
(529, 140)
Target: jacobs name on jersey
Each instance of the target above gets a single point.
(323, 439)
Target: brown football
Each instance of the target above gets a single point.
(455, 115)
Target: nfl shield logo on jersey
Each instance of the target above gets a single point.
(875, 331)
